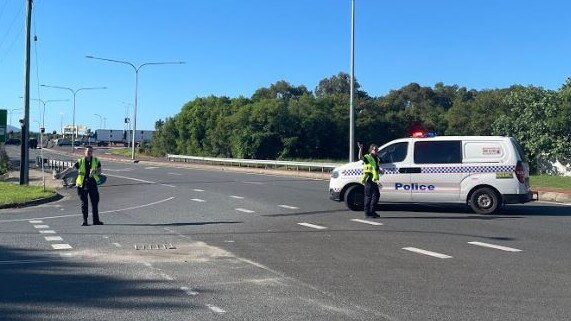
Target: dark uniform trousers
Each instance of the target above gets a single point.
(372, 196)
(91, 191)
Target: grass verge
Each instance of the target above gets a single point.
(11, 193)
(550, 181)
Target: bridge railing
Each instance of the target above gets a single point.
(255, 163)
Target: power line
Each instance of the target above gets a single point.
(11, 24)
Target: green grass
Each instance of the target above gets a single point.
(123, 151)
(13, 193)
(563, 182)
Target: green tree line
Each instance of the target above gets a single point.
(291, 122)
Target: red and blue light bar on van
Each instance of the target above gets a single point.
(423, 134)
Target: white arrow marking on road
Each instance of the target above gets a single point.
(53, 238)
(197, 200)
(244, 210)
(366, 222)
(289, 207)
(319, 227)
(425, 252)
(498, 247)
(238, 197)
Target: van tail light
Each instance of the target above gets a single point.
(520, 172)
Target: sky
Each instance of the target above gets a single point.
(234, 47)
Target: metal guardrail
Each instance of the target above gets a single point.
(256, 163)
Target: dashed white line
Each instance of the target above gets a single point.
(366, 222)
(244, 210)
(198, 190)
(61, 246)
(425, 252)
(237, 197)
(215, 308)
(135, 179)
(41, 226)
(151, 167)
(36, 222)
(168, 185)
(176, 174)
(47, 232)
(493, 246)
(197, 200)
(188, 290)
(289, 207)
(319, 227)
(53, 238)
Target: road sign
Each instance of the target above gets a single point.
(3, 125)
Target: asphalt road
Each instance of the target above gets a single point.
(190, 244)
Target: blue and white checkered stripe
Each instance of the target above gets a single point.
(466, 169)
(439, 170)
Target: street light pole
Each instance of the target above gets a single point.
(351, 86)
(100, 120)
(11, 112)
(74, 92)
(136, 68)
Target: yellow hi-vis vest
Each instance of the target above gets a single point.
(81, 172)
(370, 168)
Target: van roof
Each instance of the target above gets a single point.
(472, 138)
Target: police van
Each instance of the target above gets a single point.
(484, 172)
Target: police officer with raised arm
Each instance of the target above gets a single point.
(370, 178)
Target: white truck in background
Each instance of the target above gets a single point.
(105, 137)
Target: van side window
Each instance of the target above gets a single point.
(393, 153)
(438, 152)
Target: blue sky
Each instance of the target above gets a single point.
(233, 47)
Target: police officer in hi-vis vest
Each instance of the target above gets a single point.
(88, 171)
(370, 178)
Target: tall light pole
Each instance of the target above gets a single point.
(74, 92)
(11, 112)
(136, 89)
(61, 123)
(42, 129)
(100, 120)
(351, 86)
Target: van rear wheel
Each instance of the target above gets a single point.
(354, 198)
(484, 201)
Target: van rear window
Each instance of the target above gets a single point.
(438, 152)
(519, 150)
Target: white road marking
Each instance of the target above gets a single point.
(167, 277)
(134, 179)
(41, 226)
(255, 183)
(176, 174)
(425, 252)
(319, 227)
(215, 308)
(238, 197)
(168, 185)
(244, 210)
(53, 238)
(147, 264)
(498, 247)
(151, 167)
(117, 244)
(61, 246)
(36, 221)
(289, 207)
(197, 200)
(366, 222)
(198, 190)
(188, 290)
(47, 232)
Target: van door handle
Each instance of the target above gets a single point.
(409, 170)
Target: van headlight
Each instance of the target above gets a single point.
(334, 174)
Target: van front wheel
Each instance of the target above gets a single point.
(484, 201)
(354, 198)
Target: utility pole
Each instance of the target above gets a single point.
(24, 159)
(351, 86)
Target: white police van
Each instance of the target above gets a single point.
(484, 172)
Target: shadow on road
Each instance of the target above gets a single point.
(180, 224)
(39, 287)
